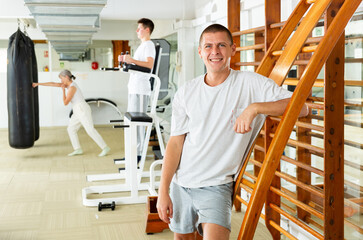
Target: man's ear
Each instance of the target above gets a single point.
(233, 49)
(200, 52)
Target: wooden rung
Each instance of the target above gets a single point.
(354, 60)
(346, 122)
(294, 82)
(353, 83)
(319, 82)
(302, 165)
(346, 142)
(247, 63)
(294, 181)
(294, 143)
(252, 30)
(353, 185)
(302, 124)
(353, 165)
(300, 184)
(356, 200)
(281, 230)
(277, 25)
(315, 105)
(311, 221)
(297, 221)
(316, 99)
(259, 148)
(307, 49)
(353, 102)
(297, 62)
(253, 177)
(246, 187)
(307, 146)
(239, 198)
(252, 47)
(356, 207)
(290, 209)
(298, 203)
(301, 62)
(247, 183)
(347, 102)
(354, 226)
(313, 40)
(310, 1)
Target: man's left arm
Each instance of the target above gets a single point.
(243, 122)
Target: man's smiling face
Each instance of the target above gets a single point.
(216, 50)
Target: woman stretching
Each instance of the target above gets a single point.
(81, 113)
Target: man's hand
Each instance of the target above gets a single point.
(127, 58)
(35, 85)
(164, 207)
(243, 122)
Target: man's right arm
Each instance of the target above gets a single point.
(171, 161)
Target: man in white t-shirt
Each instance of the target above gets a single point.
(139, 88)
(215, 118)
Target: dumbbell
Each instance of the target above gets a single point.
(120, 62)
(106, 205)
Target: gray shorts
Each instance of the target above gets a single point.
(194, 206)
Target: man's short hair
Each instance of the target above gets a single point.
(147, 23)
(216, 28)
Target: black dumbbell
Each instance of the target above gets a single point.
(120, 62)
(106, 205)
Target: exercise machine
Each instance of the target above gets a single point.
(132, 174)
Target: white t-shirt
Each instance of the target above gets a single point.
(78, 96)
(138, 83)
(213, 151)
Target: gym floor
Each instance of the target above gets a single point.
(41, 192)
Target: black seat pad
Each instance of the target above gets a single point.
(138, 117)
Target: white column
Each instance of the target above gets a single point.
(186, 49)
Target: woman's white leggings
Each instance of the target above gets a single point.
(82, 117)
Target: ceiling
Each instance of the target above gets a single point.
(70, 24)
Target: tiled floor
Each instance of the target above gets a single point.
(41, 192)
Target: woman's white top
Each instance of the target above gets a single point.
(78, 96)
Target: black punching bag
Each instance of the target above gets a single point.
(35, 91)
(20, 92)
